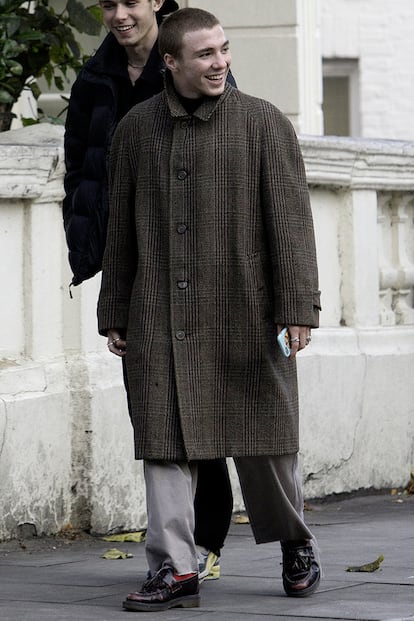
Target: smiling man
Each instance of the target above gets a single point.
(210, 252)
(135, 26)
(201, 66)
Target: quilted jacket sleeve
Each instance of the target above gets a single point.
(121, 253)
(85, 204)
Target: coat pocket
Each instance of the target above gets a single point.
(261, 279)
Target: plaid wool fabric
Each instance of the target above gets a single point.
(210, 244)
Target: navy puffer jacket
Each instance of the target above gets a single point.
(100, 96)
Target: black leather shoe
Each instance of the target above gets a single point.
(301, 572)
(164, 591)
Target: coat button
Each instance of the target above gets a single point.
(185, 124)
(181, 228)
(180, 335)
(182, 284)
(182, 174)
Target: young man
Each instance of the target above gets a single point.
(210, 252)
(125, 70)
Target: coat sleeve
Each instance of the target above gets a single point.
(121, 255)
(289, 224)
(84, 207)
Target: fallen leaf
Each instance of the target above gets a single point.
(368, 567)
(113, 554)
(137, 537)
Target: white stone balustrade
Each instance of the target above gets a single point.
(66, 453)
(356, 383)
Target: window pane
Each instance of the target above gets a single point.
(336, 107)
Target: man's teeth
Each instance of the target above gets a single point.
(124, 28)
(215, 77)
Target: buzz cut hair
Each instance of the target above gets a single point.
(176, 25)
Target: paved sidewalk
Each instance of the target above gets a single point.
(44, 579)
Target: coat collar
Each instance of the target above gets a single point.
(206, 108)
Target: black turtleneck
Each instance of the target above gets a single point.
(190, 105)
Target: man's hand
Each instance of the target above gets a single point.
(116, 344)
(299, 337)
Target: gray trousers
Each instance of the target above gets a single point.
(272, 493)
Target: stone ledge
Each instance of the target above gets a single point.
(358, 163)
(330, 161)
(39, 135)
(30, 158)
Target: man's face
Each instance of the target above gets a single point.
(203, 64)
(132, 22)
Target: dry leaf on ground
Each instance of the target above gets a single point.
(113, 554)
(368, 567)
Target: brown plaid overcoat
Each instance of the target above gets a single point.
(210, 244)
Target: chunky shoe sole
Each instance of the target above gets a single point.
(292, 592)
(187, 601)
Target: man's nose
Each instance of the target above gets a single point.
(220, 61)
(120, 11)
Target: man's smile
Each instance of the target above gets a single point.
(217, 76)
(124, 28)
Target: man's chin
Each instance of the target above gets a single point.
(124, 40)
(214, 90)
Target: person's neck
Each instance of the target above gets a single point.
(138, 56)
(184, 93)
(190, 104)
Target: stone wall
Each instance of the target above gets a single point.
(357, 407)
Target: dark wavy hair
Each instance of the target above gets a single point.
(176, 25)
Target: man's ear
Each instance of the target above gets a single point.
(170, 62)
(157, 5)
